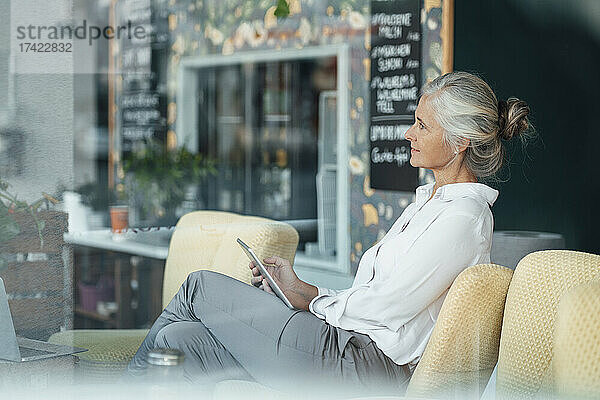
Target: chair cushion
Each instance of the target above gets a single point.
(104, 346)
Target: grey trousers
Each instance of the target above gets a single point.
(230, 330)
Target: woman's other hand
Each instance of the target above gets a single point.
(299, 293)
(257, 279)
(280, 270)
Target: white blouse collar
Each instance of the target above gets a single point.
(452, 191)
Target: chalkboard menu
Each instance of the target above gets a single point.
(395, 82)
(142, 62)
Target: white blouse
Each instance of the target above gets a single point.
(402, 281)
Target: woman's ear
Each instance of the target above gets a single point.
(463, 146)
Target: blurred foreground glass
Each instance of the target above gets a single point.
(165, 372)
(165, 363)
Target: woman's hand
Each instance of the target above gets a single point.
(299, 293)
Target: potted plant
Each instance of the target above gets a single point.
(35, 263)
(96, 198)
(18, 218)
(158, 179)
(99, 197)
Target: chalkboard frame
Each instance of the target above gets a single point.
(403, 177)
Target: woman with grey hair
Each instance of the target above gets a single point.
(366, 339)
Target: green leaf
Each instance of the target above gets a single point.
(283, 9)
(8, 227)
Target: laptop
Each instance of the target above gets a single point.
(13, 348)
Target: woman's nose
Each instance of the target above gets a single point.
(409, 134)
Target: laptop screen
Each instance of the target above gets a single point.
(9, 349)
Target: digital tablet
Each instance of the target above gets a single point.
(264, 273)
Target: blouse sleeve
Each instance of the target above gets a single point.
(323, 292)
(329, 292)
(420, 276)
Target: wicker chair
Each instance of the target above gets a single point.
(525, 361)
(463, 348)
(202, 240)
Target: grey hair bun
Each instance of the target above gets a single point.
(513, 118)
(468, 110)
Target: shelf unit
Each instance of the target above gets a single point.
(107, 319)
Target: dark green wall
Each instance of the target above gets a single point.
(548, 58)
